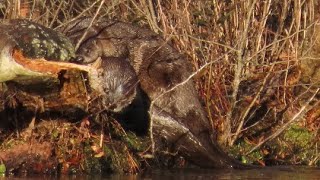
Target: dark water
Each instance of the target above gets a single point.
(281, 173)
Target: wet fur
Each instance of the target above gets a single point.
(119, 83)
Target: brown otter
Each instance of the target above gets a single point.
(119, 83)
(105, 38)
(94, 48)
(90, 51)
(177, 114)
(122, 95)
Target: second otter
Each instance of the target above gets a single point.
(119, 83)
(122, 95)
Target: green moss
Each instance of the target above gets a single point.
(2, 168)
(91, 164)
(298, 136)
(37, 41)
(135, 143)
(297, 145)
(239, 151)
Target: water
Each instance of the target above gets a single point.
(281, 173)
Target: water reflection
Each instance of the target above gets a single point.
(283, 173)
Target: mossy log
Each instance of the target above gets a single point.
(33, 77)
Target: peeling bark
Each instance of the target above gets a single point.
(38, 81)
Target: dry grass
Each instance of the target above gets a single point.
(253, 51)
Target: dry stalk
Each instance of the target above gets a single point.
(237, 74)
(82, 14)
(213, 42)
(284, 13)
(55, 15)
(148, 11)
(288, 37)
(153, 18)
(91, 22)
(262, 25)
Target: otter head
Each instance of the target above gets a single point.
(120, 83)
(88, 52)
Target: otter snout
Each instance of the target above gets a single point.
(77, 60)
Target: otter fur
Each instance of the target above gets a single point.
(177, 115)
(119, 83)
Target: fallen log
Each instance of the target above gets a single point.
(30, 73)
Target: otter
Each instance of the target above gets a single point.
(177, 115)
(122, 97)
(104, 38)
(119, 83)
(95, 47)
(90, 51)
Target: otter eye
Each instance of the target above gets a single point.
(87, 51)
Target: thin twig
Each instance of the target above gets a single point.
(78, 16)
(56, 14)
(90, 25)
